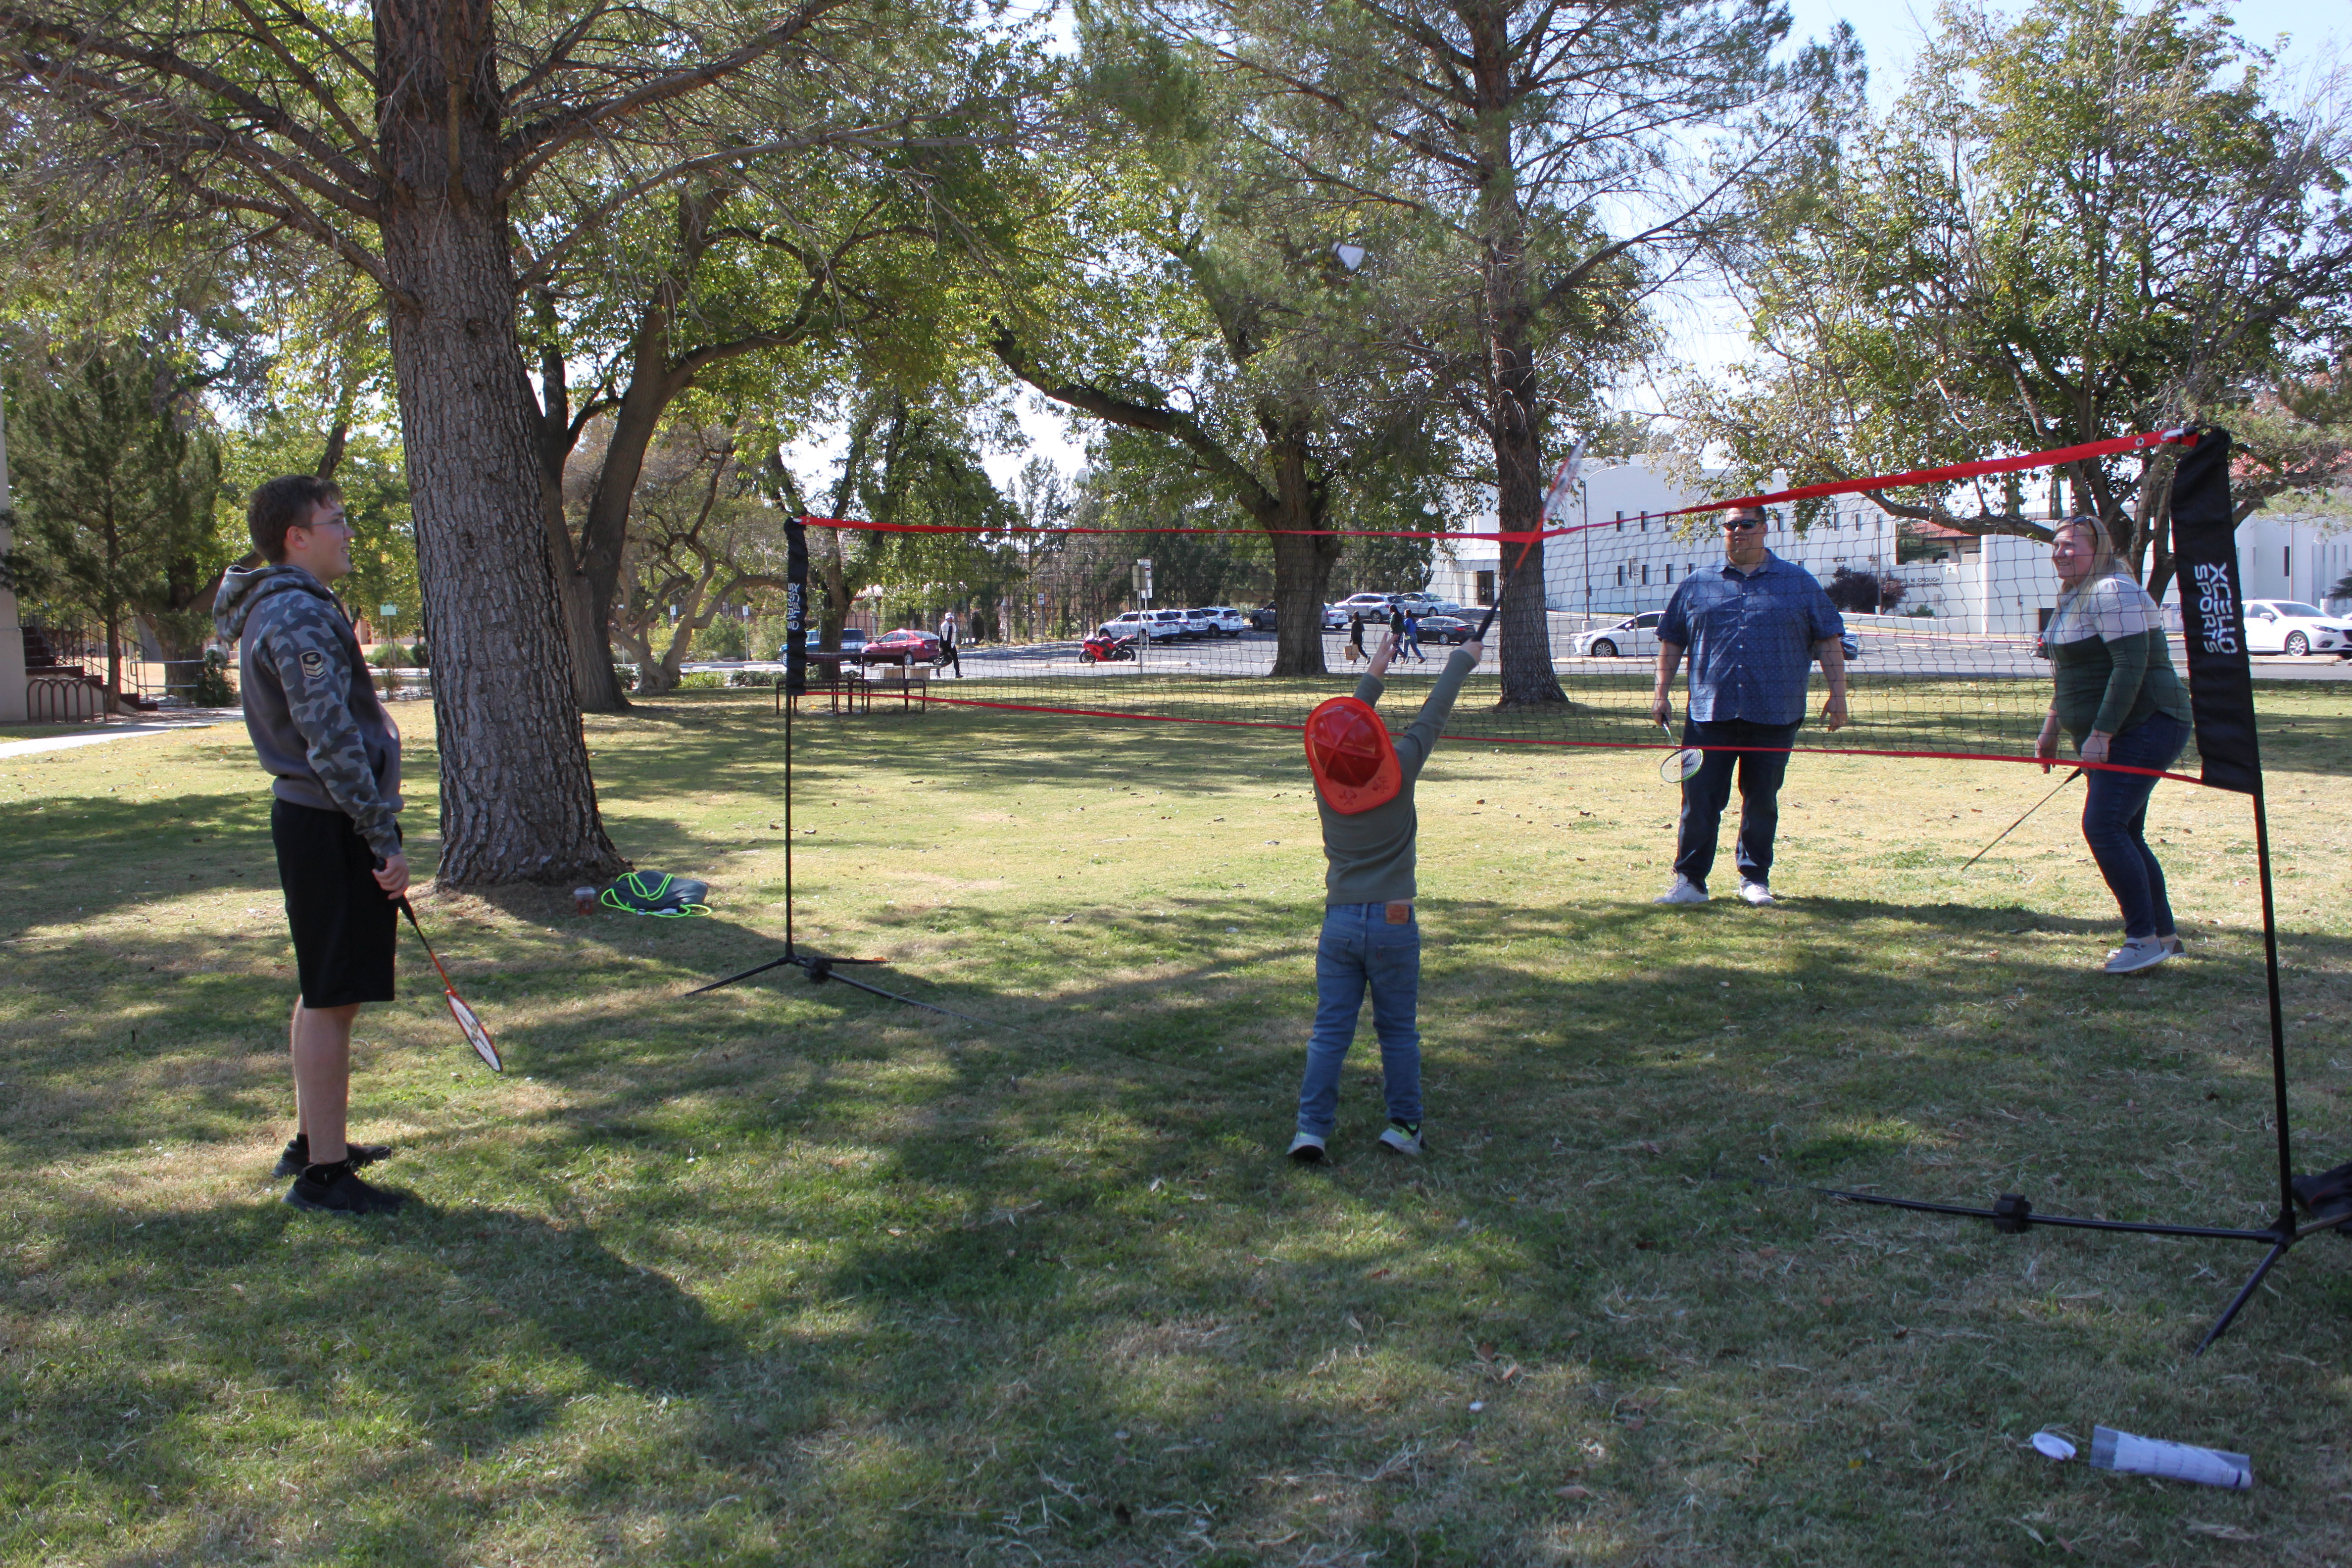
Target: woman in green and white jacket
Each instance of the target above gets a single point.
(2116, 696)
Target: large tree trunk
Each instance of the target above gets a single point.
(595, 685)
(604, 536)
(1303, 554)
(1523, 655)
(518, 803)
(1302, 576)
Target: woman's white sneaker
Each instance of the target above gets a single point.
(2140, 952)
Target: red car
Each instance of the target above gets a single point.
(904, 647)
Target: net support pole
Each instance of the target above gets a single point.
(2278, 1018)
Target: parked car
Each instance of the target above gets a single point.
(1179, 623)
(1451, 629)
(1335, 619)
(1197, 623)
(1225, 621)
(2292, 627)
(1158, 626)
(852, 641)
(1635, 635)
(906, 645)
(1367, 607)
(1262, 618)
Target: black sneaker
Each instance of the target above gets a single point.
(295, 1158)
(333, 1189)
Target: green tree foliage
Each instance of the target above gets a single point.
(757, 281)
(706, 542)
(1194, 302)
(2084, 222)
(1528, 175)
(116, 473)
(915, 459)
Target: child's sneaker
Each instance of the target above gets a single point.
(1306, 1149)
(1403, 1138)
(296, 1157)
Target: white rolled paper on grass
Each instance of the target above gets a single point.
(2113, 1450)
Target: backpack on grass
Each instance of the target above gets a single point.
(657, 894)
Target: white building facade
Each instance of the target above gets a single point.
(1625, 556)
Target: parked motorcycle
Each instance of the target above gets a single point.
(1101, 650)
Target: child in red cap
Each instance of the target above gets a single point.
(1363, 792)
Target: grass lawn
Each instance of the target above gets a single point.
(785, 1275)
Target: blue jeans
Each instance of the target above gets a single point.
(1359, 948)
(1706, 791)
(2114, 822)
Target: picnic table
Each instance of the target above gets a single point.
(829, 671)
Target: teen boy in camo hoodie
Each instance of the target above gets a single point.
(335, 754)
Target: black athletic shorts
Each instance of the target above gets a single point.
(345, 927)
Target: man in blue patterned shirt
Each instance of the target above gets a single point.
(1753, 627)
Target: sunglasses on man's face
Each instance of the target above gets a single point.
(1741, 524)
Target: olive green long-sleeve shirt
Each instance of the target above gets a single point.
(1370, 854)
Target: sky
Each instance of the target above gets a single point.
(1704, 331)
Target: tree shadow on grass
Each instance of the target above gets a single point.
(415, 1328)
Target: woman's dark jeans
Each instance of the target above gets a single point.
(2114, 822)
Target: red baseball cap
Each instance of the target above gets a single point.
(1349, 754)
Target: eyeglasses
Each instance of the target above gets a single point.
(1741, 524)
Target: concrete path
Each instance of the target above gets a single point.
(98, 736)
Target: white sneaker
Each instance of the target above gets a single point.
(1683, 891)
(2140, 952)
(1756, 893)
(1306, 1149)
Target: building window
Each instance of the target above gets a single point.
(1670, 571)
(1621, 573)
(1645, 574)
(1620, 525)
(1486, 589)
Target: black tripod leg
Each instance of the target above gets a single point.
(2222, 1326)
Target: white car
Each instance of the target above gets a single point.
(1153, 626)
(1636, 636)
(1335, 619)
(1366, 607)
(1226, 621)
(2292, 627)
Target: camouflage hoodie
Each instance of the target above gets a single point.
(309, 705)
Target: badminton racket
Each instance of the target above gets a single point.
(467, 1020)
(1677, 765)
(2022, 816)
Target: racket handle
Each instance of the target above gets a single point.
(1480, 636)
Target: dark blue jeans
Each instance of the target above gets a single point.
(1706, 791)
(2114, 822)
(1359, 951)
